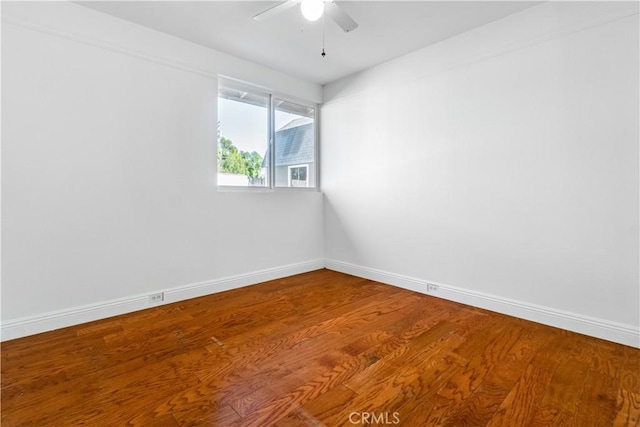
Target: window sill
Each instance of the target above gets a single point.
(238, 189)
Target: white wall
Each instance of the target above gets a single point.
(108, 173)
(502, 164)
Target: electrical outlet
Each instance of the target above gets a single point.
(432, 288)
(154, 298)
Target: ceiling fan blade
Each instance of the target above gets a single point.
(341, 18)
(274, 10)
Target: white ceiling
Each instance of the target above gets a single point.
(286, 42)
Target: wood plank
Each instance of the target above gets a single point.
(628, 413)
(520, 405)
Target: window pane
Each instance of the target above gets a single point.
(243, 135)
(298, 176)
(295, 145)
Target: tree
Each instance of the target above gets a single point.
(253, 163)
(232, 160)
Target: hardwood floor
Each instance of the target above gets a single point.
(321, 348)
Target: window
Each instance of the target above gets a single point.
(264, 141)
(298, 176)
(243, 138)
(295, 145)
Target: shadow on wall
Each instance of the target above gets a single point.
(342, 247)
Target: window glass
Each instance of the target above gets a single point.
(298, 176)
(295, 150)
(243, 138)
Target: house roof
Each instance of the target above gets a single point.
(294, 143)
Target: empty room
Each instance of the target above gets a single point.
(320, 213)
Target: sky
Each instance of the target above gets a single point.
(246, 125)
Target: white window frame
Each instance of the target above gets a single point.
(238, 85)
(304, 165)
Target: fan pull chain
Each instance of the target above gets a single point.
(323, 21)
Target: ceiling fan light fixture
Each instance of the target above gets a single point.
(312, 10)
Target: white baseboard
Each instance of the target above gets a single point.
(24, 326)
(599, 328)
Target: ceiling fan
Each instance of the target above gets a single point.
(313, 10)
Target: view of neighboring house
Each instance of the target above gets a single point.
(295, 154)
